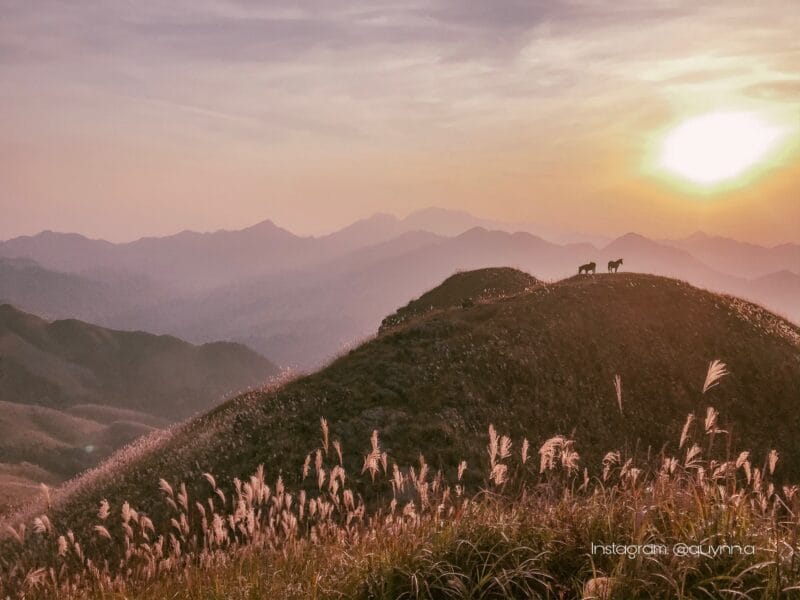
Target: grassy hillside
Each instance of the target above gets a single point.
(536, 364)
(541, 363)
(71, 393)
(109, 414)
(20, 483)
(69, 362)
(45, 445)
(698, 526)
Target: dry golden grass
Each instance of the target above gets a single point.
(527, 533)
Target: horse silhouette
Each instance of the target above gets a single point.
(587, 267)
(613, 265)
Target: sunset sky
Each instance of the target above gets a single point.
(122, 119)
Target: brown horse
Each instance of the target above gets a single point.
(587, 267)
(613, 265)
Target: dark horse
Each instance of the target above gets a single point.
(587, 267)
(613, 265)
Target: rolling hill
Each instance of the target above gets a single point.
(779, 291)
(535, 361)
(462, 290)
(71, 392)
(69, 362)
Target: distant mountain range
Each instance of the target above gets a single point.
(72, 392)
(300, 300)
(191, 260)
(63, 294)
(740, 258)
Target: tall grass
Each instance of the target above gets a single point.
(415, 532)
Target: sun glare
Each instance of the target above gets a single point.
(718, 147)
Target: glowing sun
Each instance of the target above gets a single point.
(717, 147)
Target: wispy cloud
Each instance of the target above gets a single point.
(272, 80)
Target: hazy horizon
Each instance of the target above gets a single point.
(524, 227)
(507, 226)
(120, 121)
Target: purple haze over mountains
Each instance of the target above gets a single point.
(300, 300)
